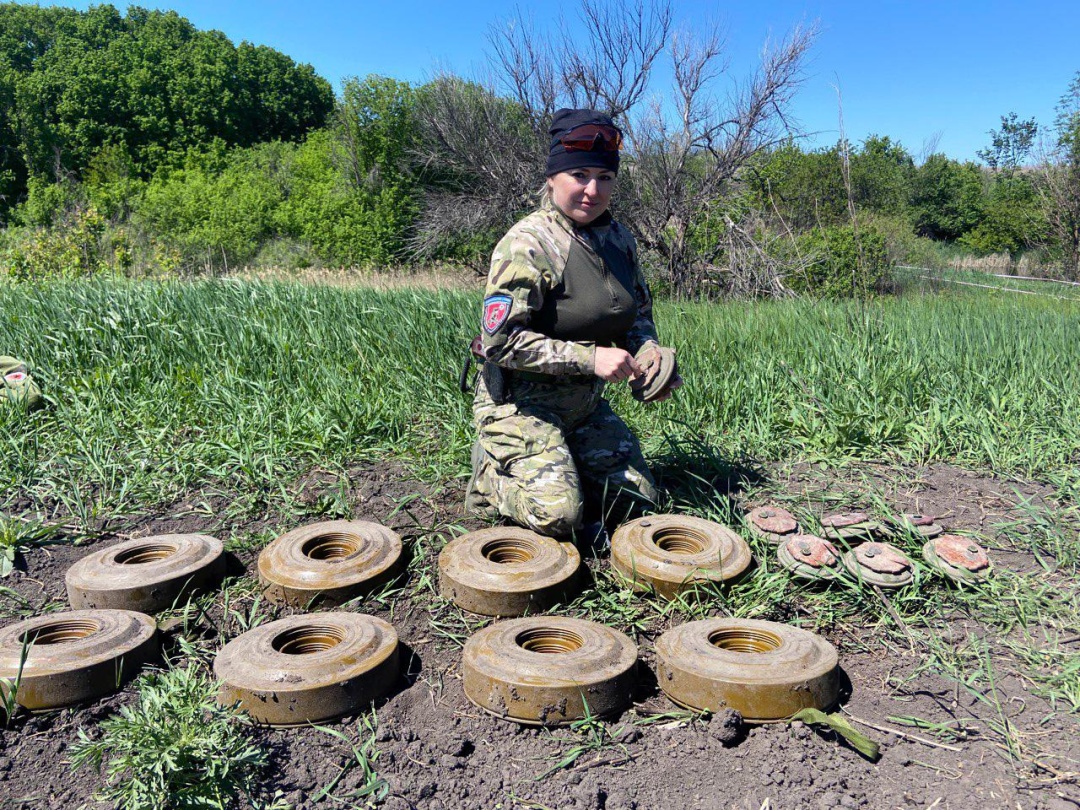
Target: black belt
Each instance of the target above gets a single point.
(554, 379)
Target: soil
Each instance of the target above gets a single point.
(437, 750)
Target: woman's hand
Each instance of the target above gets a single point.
(615, 365)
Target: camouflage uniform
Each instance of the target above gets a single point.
(547, 437)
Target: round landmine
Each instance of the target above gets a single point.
(808, 557)
(669, 554)
(74, 657)
(307, 669)
(659, 383)
(763, 670)
(959, 558)
(549, 670)
(772, 523)
(506, 571)
(850, 526)
(147, 575)
(920, 525)
(880, 564)
(329, 563)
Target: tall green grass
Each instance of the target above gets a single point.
(162, 387)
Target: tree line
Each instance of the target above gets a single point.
(137, 142)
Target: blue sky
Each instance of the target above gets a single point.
(917, 71)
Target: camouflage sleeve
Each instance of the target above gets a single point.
(644, 328)
(521, 274)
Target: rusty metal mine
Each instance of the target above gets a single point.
(809, 558)
(669, 554)
(507, 571)
(545, 670)
(147, 575)
(772, 523)
(309, 668)
(920, 525)
(659, 384)
(960, 559)
(329, 563)
(851, 527)
(764, 670)
(880, 564)
(74, 657)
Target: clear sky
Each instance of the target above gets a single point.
(917, 71)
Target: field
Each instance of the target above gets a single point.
(245, 408)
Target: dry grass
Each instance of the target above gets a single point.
(426, 278)
(998, 263)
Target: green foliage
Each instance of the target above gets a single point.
(881, 176)
(1011, 144)
(806, 188)
(176, 749)
(147, 84)
(946, 198)
(345, 224)
(1012, 219)
(848, 262)
(217, 216)
(78, 247)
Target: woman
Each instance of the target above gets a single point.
(566, 310)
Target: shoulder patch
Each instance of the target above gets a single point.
(496, 311)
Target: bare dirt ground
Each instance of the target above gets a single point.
(436, 750)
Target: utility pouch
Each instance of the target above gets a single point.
(496, 382)
(16, 384)
(476, 353)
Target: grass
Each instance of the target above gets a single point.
(176, 749)
(227, 394)
(161, 388)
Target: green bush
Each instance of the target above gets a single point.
(176, 748)
(844, 263)
(76, 246)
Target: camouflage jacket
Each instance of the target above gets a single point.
(538, 317)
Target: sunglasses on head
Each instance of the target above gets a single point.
(592, 138)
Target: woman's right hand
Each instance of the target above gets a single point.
(615, 365)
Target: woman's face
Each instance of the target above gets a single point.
(582, 194)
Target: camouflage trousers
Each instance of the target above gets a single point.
(552, 452)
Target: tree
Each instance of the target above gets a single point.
(881, 175)
(73, 83)
(1010, 145)
(1011, 218)
(946, 198)
(1059, 181)
(683, 158)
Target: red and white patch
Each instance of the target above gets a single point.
(496, 311)
(15, 377)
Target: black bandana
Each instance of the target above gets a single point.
(561, 160)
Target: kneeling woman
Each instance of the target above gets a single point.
(565, 311)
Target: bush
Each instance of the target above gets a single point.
(176, 748)
(845, 263)
(75, 247)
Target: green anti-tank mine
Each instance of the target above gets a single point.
(74, 657)
(669, 554)
(309, 668)
(549, 670)
(148, 575)
(764, 670)
(506, 571)
(329, 563)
